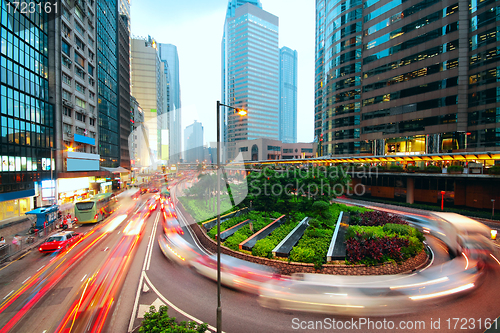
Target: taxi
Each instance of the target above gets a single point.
(59, 241)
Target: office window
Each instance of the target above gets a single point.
(91, 108)
(66, 79)
(66, 111)
(243, 148)
(80, 73)
(79, 60)
(91, 70)
(92, 122)
(80, 116)
(80, 88)
(66, 30)
(80, 103)
(66, 48)
(66, 62)
(66, 95)
(79, 27)
(79, 44)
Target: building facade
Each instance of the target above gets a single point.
(250, 74)
(193, 143)
(26, 112)
(396, 77)
(124, 91)
(148, 78)
(170, 58)
(288, 95)
(108, 82)
(268, 149)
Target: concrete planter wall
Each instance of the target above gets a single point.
(287, 268)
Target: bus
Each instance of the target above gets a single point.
(96, 209)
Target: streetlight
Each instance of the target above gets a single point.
(493, 208)
(442, 199)
(219, 307)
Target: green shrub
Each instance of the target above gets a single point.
(396, 168)
(160, 322)
(264, 247)
(433, 169)
(239, 236)
(455, 168)
(414, 248)
(400, 229)
(302, 254)
(412, 168)
(494, 170)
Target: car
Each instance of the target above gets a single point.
(235, 273)
(155, 190)
(177, 249)
(59, 241)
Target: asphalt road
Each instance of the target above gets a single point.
(39, 289)
(153, 279)
(193, 297)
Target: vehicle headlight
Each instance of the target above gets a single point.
(493, 234)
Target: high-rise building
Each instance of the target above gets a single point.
(148, 76)
(26, 116)
(169, 56)
(250, 74)
(288, 95)
(108, 82)
(406, 77)
(124, 91)
(193, 143)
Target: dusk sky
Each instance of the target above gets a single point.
(196, 26)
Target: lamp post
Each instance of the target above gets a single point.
(493, 208)
(52, 163)
(442, 200)
(219, 307)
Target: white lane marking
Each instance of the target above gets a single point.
(8, 294)
(152, 240)
(136, 302)
(196, 240)
(172, 306)
(106, 248)
(83, 277)
(40, 268)
(432, 260)
(26, 280)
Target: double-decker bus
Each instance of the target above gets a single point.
(95, 209)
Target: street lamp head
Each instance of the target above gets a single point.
(70, 149)
(241, 112)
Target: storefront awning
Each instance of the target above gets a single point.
(116, 170)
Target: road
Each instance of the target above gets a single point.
(193, 297)
(55, 282)
(41, 289)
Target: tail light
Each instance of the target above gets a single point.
(76, 219)
(95, 217)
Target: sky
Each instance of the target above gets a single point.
(196, 27)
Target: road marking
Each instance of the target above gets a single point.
(145, 288)
(143, 308)
(8, 294)
(83, 277)
(432, 260)
(26, 279)
(40, 268)
(106, 248)
(172, 306)
(136, 302)
(196, 240)
(152, 240)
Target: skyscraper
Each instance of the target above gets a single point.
(107, 74)
(193, 143)
(27, 118)
(148, 76)
(288, 95)
(124, 91)
(169, 56)
(406, 77)
(250, 73)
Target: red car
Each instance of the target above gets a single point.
(59, 241)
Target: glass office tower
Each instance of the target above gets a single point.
(406, 77)
(288, 95)
(250, 75)
(107, 74)
(27, 119)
